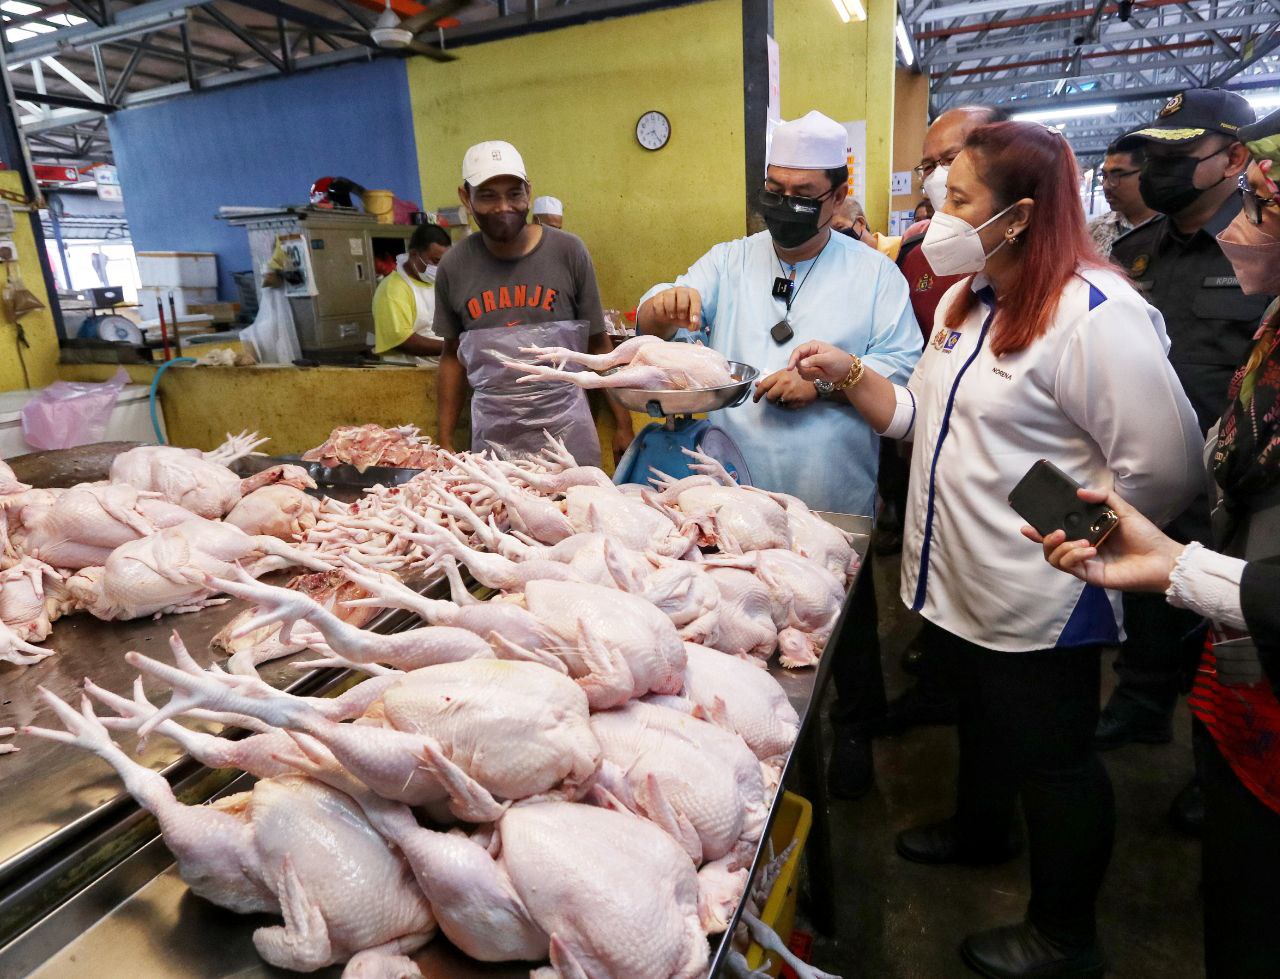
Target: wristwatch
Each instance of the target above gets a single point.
(825, 387)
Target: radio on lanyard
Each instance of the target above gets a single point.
(785, 288)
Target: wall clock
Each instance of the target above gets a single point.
(653, 130)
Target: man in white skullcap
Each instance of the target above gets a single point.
(549, 211)
(758, 298)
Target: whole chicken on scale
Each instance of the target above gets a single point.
(644, 362)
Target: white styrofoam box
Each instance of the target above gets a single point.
(150, 297)
(130, 419)
(192, 269)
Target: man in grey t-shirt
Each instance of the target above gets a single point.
(514, 285)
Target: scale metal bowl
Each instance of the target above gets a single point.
(667, 404)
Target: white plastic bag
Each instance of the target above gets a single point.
(272, 335)
(69, 413)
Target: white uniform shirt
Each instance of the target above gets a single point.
(1096, 396)
(850, 296)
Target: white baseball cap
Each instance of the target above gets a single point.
(548, 205)
(812, 142)
(492, 158)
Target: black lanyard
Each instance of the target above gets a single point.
(785, 288)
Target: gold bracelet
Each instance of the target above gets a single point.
(854, 375)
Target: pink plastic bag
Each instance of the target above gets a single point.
(69, 413)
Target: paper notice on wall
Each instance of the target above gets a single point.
(856, 153)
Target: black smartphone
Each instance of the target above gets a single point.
(1046, 498)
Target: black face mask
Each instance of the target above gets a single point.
(502, 226)
(1167, 183)
(792, 220)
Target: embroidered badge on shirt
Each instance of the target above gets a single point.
(1139, 266)
(939, 339)
(924, 282)
(952, 339)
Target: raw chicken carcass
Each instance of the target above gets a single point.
(280, 510)
(615, 645)
(23, 605)
(167, 571)
(729, 518)
(644, 362)
(81, 526)
(699, 782)
(9, 484)
(456, 738)
(742, 622)
(248, 647)
(290, 846)
(806, 597)
(603, 893)
(16, 650)
(181, 476)
(340, 639)
(738, 697)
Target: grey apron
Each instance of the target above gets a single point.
(509, 417)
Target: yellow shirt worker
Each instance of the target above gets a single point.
(405, 301)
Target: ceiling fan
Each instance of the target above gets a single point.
(392, 33)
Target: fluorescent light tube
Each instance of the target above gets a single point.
(904, 44)
(1066, 112)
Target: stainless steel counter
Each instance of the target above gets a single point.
(140, 920)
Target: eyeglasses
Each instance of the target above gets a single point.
(1115, 176)
(1251, 203)
(801, 205)
(927, 167)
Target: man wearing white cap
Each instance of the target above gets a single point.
(515, 285)
(549, 212)
(760, 297)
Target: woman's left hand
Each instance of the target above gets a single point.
(1136, 556)
(816, 360)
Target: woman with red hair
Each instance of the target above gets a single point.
(1043, 352)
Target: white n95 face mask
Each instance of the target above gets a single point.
(951, 246)
(935, 186)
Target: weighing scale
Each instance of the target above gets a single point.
(660, 444)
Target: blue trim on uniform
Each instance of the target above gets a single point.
(988, 296)
(1096, 297)
(912, 425)
(1092, 621)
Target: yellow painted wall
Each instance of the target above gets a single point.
(845, 71)
(41, 357)
(569, 100)
(910, 121)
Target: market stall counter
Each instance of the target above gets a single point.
(139, 918)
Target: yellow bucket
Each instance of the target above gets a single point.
(795, 817)
(378, 203)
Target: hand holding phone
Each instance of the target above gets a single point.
(1046, 499)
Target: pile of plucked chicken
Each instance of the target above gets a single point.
(575, 771)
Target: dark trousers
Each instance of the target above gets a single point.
(1026, 728)
(1149, 666)
(856, 671)
(1241, 872)
(895, 472)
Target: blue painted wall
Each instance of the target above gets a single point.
(261, 143)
